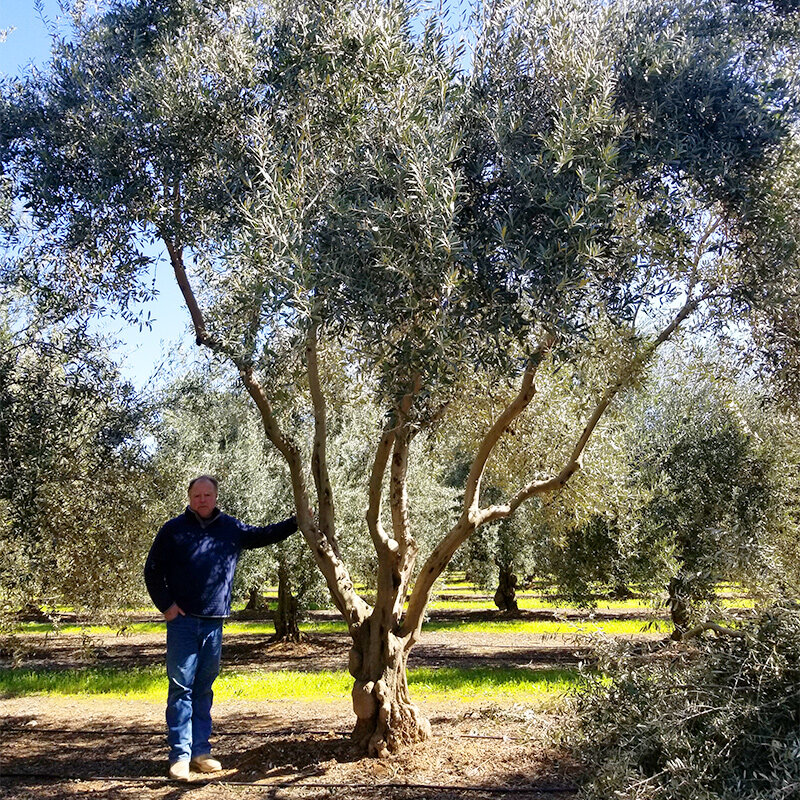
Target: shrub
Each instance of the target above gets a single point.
(716, 720)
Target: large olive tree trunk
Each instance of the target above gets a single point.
(386, 718)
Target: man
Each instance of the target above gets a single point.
(189, 575)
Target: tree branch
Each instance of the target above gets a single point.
(382, 453)
(633, 369)
(319, 459)
(466, 524)
(472, 517)
(699, 251)
(320, 540)
(711, 626)
(323, 546)
(379, 465)
(398, 492)
(202, 336)
(493, 435)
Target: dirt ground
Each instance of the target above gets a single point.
(93, 747)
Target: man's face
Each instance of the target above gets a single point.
(202, 498)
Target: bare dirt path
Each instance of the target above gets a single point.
(284, 749)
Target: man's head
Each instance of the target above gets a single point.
(203, 495)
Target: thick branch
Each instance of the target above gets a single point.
(403, 565)
(632, 370)
(492, 437)
(398, 493)
(472, 517)
(319, 460)
(202, 336)
(323, 547)
(175, 250)
(711, 626)
(384, 450)
(466, 524)
(382, 454)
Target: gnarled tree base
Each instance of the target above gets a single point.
(392, 724)
(387, 720)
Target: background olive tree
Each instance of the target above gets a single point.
(685, 488)
(713, 484)
(326, 175)
(75, 484)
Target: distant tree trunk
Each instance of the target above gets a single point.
(386, 719)
(505, 598)
(255, 601)
(678, 607)
(621, 591)
(287, 628)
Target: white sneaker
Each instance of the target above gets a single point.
(206, 763)
(179, 770)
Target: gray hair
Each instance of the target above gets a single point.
(210, 478)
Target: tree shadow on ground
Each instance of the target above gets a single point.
(291, 760)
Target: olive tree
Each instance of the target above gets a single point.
(74, 478)
(713, 491)
(596, 178)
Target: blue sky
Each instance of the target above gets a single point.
(140, 353)
(28, 40)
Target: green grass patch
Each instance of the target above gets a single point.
(150, 683)
(142, 682)
(546, 627)
(90, 630)
(492, 684)
(535, 604)
(158, 626)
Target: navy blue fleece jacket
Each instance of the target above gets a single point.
(191, 562)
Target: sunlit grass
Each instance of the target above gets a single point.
(492, 683)
(149, 683)
(534, 604)
(256, 627)
(537, 603)
(89, 630)
(610, 627)
(541, 627)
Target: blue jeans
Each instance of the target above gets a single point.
(194, 647)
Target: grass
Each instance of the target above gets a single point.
(539, 603)
(533, 604)
(492, 684)
(546, 627)
(149, 683)
(257, 627)
(611, 627)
